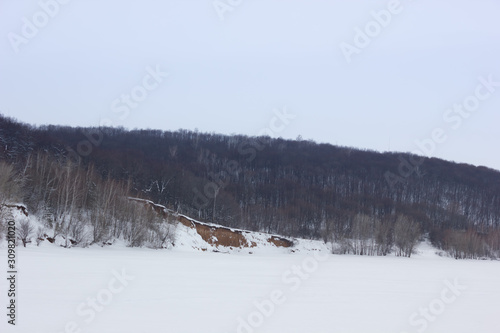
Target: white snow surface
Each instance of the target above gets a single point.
(185, 289)
(187, 239)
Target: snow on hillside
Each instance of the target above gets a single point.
(190, 235)
(188, 239)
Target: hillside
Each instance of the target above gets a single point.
(189, 290)
(268, 283)
(186, 234)
(291, 188)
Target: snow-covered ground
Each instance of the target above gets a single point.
(188, 239)
(120, 289)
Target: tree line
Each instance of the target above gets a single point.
(79, 205)
(294, 188)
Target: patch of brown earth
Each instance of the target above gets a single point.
(221, 236)
(215, 235)
(184, 220)
(226, 237)
(280, 242)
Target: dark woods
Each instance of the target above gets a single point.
(362, 200)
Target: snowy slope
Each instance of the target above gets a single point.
(188, 239)
(188, 236)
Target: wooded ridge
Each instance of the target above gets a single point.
(293, 188)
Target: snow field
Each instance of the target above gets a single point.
(79, 290)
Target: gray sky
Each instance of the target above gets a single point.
(404, 75)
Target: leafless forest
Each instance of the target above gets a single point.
(365, 202)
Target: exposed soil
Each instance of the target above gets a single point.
(215, 235)
(280, 241)
(223, 236)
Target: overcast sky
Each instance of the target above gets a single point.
(413, 76)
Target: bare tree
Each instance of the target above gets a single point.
(104, 212)
(384, 237)
(2, 225)
(163, 233)
(25, 231)
(363, 232)
(9, 185)
(468, 244)
(406, 235)
(40, 234)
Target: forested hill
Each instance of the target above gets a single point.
(294, 188)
